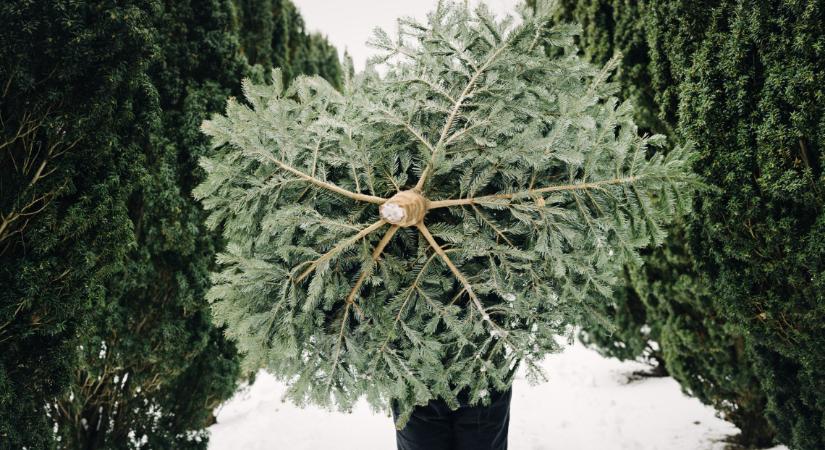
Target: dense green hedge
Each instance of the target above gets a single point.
(273, 35)
(754, 97)
(73, 104)
(104, 274)
(154, 321)
(739, 306)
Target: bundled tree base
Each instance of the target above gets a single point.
(432, 229)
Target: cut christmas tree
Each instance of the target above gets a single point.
(431, 229)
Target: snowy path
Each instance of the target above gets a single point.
(586, 405)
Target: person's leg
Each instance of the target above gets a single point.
(483, 427)
(429, 428)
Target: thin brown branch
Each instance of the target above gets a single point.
(459, 276)
(376, 253)
(456, 296)
(565, 187)
(324, 184)
(392, 181)
(340, 247)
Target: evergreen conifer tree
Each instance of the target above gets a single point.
(740, 307)
(155, 366)
(749, 89)
(665, 311)
(106, 336)
(272, 35)
(155, 323)
(430, 230)
(72, 101)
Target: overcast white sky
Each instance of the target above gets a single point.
(349, 23)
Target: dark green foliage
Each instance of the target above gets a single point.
(69, 157)
(753, 96)
(191, 398)
(155, 321)
(701, 349)
(627, 330)
(273, 35)
(257, 31)
(611, 27)
(105, 258)
(745, 81)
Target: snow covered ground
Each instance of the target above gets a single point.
(588, 404)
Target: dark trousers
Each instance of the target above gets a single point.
(436, 427)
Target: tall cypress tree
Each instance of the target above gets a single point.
(73, 104)
(154, 366)
(750, 91)
(741, 306)
(155, 322)
(273, 35)
(104, 255)
(257, 31)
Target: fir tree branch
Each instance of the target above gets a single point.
(339, 248)
(339, 343)
(484, 219)
(460, 277)
(460, 133)
(409, 128)
(564, 187)
(314, 163)
(324, 184)
(351, 297)
(375, 255)
(430, 84)
(454, 113)
(408, 295)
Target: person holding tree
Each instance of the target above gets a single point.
(420, 235)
